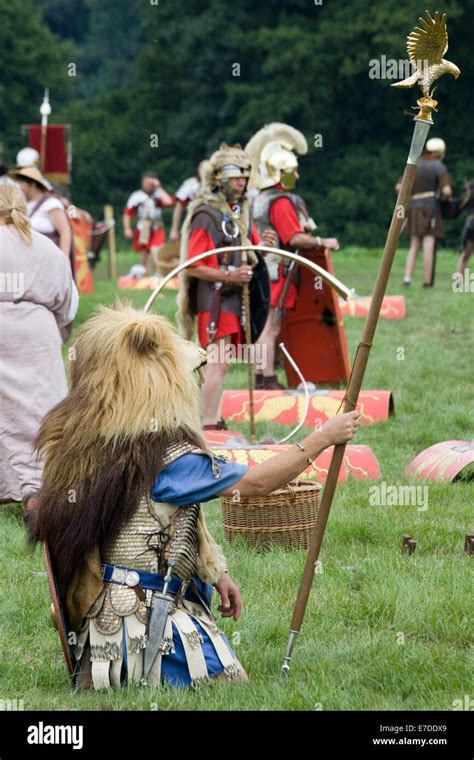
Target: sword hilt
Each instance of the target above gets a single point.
(167, 579)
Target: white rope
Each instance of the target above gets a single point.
(306, 393)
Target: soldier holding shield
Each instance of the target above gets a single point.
(277, 206)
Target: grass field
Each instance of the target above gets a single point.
(383, 630)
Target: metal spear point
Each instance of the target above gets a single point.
(428, 45)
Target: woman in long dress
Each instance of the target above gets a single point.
(35, 301)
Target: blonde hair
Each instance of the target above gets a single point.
(13, 210)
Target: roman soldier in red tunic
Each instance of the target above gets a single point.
(146, 205)
(276, 206)
(211, 290)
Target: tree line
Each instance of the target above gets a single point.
(160, 84)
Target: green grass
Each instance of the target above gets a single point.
(383, 630)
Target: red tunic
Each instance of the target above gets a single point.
(157, 238)
(285, 221)
(228, 324)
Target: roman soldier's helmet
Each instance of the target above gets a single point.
(437, 146)
(27, 157)
(272, 151)
(229, 162)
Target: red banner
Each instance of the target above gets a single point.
(56, 162)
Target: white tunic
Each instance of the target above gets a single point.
(146, 207)
(188, 190)
(40, 219)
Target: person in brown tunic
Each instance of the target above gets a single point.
(466, 203)
(424, 222)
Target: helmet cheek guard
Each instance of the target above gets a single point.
(288, 179)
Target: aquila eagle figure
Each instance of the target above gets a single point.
(426, 48)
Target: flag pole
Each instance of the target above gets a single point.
(45, 111)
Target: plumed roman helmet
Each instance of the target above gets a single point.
(272, 153)
(229, 162)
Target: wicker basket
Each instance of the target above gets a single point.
(286, 517)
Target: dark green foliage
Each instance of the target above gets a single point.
(169, 69)
(69, 20)
(31, 57)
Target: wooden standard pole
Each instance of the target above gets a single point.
(111, 243)
(353, 388)
(352, 393)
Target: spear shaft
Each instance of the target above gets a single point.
(355, 382)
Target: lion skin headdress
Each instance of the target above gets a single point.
(227, 155)
(272, 153)
(132, 394)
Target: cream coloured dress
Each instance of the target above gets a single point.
(36, 291)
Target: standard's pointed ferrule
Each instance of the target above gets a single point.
(285, 668)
